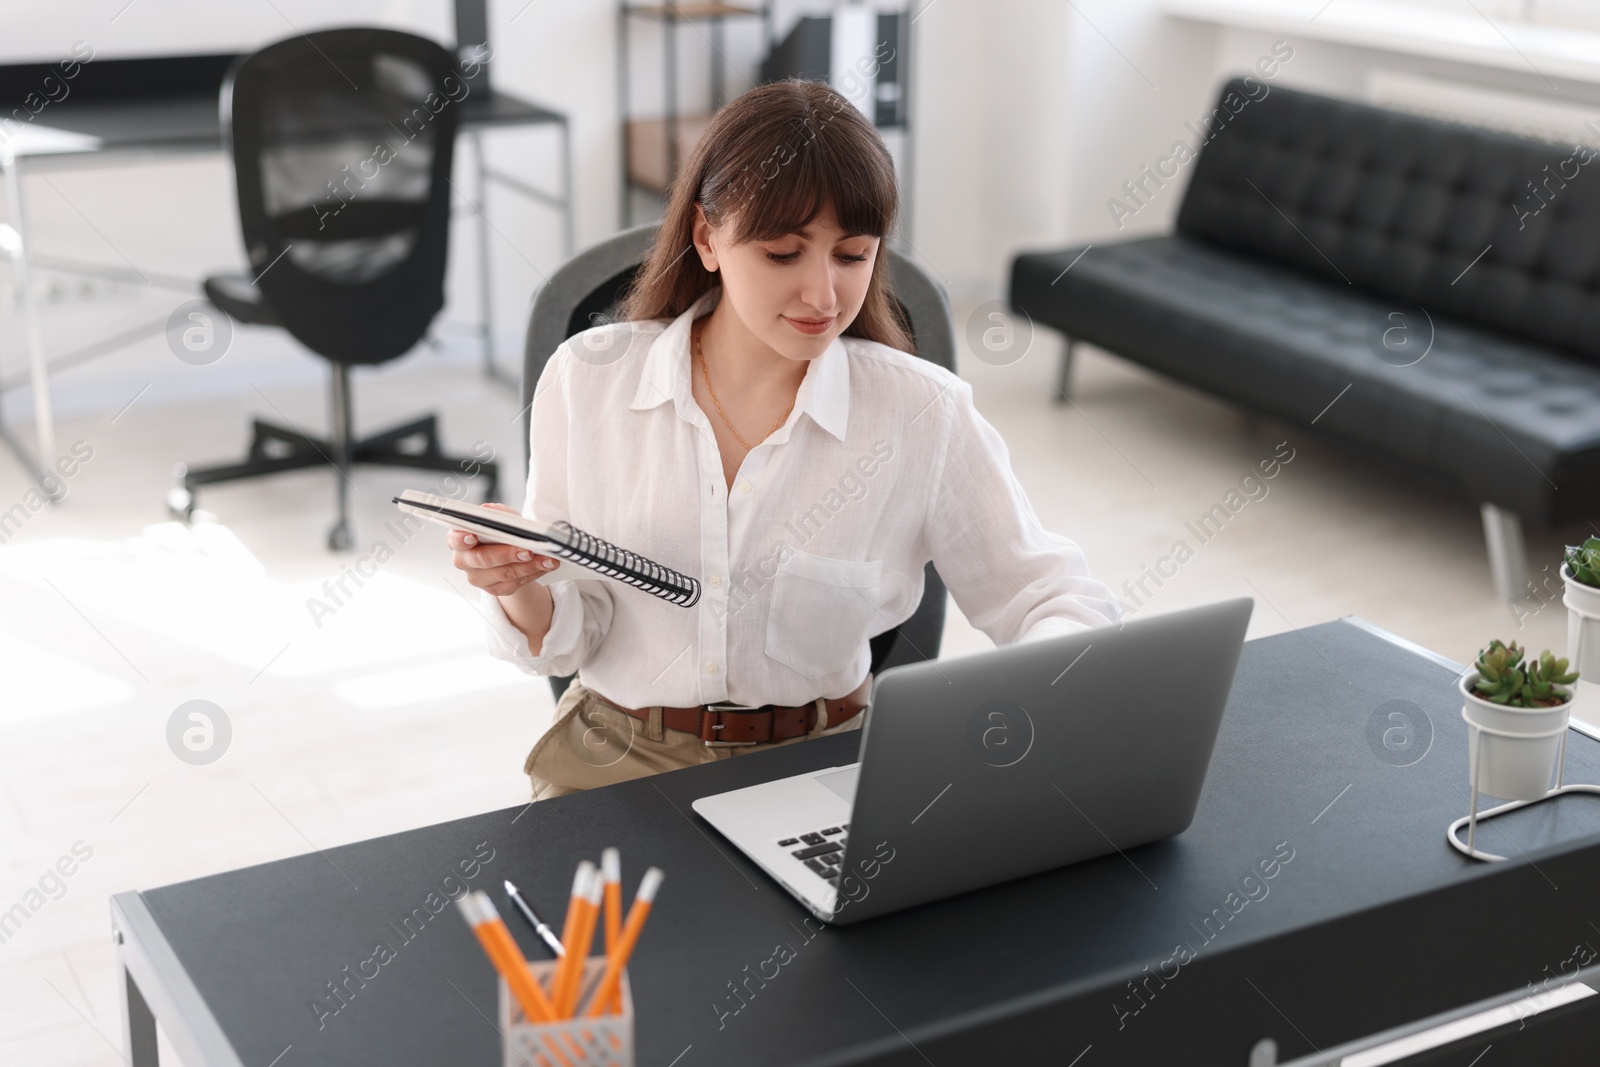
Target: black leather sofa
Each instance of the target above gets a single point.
(1437, 284)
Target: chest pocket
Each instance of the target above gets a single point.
(822, 612)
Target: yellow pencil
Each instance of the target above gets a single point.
(573, 957)
(611, 867)
(617, 958)
(480, 914)
(578, 947)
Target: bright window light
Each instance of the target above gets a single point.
(40, 682)
(201, 589)
(436, 681)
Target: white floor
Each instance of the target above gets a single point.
(387, 713)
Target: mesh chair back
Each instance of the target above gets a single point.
(585, 292)
(342, 144)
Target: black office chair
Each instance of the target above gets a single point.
(342, 143)
(585, 292)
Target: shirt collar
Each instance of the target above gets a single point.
(824, 392)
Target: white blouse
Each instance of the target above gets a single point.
(883, 464)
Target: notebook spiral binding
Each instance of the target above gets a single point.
(628, 567)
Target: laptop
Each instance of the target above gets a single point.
(984, 768)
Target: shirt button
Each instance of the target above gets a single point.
(716, 581)
(711, 668)
(745, 488)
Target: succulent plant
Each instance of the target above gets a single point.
(1503, 679)
(1584, 561)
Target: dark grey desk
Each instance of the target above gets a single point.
(122, 110)
(1372, 926)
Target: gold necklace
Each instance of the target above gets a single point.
(695, 332)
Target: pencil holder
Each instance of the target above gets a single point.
(582, 1041)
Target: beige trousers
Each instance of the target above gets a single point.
(593, 743)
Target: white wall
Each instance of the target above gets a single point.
(1341, 70)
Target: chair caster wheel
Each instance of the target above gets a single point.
(340, 538)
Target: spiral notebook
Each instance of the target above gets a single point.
(582, 555)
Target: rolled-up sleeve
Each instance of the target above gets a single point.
(582, 609)
(1014, 580)
(576, 627)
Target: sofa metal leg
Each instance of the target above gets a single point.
(1064, 371)
(1508, 557)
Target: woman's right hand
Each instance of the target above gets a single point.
(499, 569)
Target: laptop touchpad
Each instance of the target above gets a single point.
(842, 781)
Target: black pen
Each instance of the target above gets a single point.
(538, 924)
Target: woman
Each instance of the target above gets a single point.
(756, 419)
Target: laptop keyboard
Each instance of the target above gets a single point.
(821, 850)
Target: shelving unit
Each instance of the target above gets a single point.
(653, 147)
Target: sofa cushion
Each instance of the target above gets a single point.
(1397, 204)
(1492, 417)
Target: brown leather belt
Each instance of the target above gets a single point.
(727, 723)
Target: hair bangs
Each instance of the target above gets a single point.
(820, 170)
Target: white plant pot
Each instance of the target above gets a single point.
(1520, 745)
(1583, 625)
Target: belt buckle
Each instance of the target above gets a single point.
(729, 705)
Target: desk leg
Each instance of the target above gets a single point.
(138, 1025)
(38, 371)
(485, 267)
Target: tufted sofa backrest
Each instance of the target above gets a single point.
(1401, 206)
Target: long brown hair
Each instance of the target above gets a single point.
(769, 161)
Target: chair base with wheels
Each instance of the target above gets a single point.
(274, 448)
